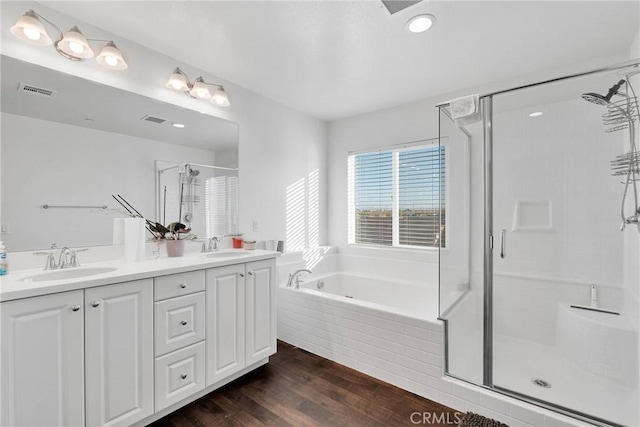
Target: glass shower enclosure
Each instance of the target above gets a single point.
(551, 311)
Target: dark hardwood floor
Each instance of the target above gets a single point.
(297, 388)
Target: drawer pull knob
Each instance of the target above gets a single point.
(241, 275)
(95, 304)
(183, 323)
(183, 285)
(251, 273)
(183, 376)
(75, 308)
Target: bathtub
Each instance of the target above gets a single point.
(384, 328)
(382, 295)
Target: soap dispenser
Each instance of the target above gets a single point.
(4, 263)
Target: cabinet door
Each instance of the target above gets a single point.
(261, 310)
(225, 321)
(42, 370)
(119, 353)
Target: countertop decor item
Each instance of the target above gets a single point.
(173, 231)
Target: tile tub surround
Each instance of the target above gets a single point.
(405, 351)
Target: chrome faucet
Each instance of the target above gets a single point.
(68, 258)
(296, 278)
(63, 261)
(212, 247)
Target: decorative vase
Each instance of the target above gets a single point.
(175, 248)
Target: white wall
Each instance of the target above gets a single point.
(278, 146)
(59, 164)
(561, 158)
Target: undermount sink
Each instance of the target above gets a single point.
(226, 254)
(72, 273)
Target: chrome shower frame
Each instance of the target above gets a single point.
(486, 99)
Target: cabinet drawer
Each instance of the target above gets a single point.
(176, 285)
(179, 375)
(179, 322)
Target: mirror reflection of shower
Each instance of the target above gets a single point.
(203, 197)
(622, 112)
(189, 184)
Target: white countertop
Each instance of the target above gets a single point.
(14, 286)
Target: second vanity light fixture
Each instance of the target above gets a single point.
(72, 45)
(198, 89)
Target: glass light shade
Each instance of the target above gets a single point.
(178, 81)
(200, 89)
(29, 29)
(420, 23)
(110, 57)
(220, 98)
(74, 45)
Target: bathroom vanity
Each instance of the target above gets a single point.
(135, 341)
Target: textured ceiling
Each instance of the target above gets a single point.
(334, 59)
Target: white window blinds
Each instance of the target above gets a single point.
(221, 197)
(397, 197)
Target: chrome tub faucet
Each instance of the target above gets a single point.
(295, 277)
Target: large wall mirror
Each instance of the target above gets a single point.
(70, 144)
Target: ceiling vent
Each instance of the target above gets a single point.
(395, 6)
(153, 119)
(34, 90)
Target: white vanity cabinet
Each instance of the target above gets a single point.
(123, 352)
(119, 353)
(54, 345)
(42, 372)
(179, 337)
(225, 321)
(241, 317)
(260, 306)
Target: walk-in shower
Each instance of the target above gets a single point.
(551, 313)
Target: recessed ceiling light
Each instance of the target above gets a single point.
(177, 125)
(536, 114)
(420, 23)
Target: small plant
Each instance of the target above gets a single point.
(173, 231)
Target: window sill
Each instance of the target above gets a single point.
(399, 249)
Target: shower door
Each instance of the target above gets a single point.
(556, 233)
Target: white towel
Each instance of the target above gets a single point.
(465, 110)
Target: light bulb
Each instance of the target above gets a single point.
(200, 89)
(178, 81)
(112, 61)
(110, 57)
(29, 29)
(32, 34)
(76, 47)
(220, 98)
(420, 23)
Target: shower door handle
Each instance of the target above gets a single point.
(503, 243)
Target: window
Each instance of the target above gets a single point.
(397, 197)
(221, 208)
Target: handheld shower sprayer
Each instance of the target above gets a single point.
(622, 114)
(596, 98)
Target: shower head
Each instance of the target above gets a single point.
(596, 98)
(195, 172)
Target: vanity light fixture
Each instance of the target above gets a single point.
(420, 23)
(72, 45)
(536, 114)
(198, 89)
